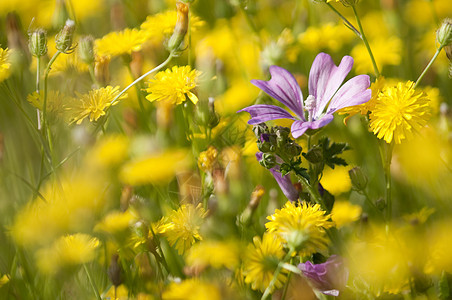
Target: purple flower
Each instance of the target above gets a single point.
(284, 181)
(326, 95)
(329, 277)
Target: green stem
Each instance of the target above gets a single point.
(428, 66)
(312, 192)
(93, 76)
(171, 55)
(38, 69)
(386, 158)
(46, 76)
(269, 289)
(286, 286)
(371, 204)
(160, 258)
(347, 23)
(91, 282)
(366, 43)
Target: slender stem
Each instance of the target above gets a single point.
(388, 180)
(370, 202)
(428, 66)
(286, 286)
(312, 192)
(171, 55)
(38, 69)
(347, 23)
(91, 282)
(269, 289)
(366, 43)
(46, 76)
(93, 76)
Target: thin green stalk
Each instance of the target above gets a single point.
(160, 258)
(91, 282)
(137, 88)
(386, 158)
(38, 68)
(46, 76)
(312, 192)
(347, 23)
(171, 55)
(428, 66)
(93, 76)
(269, 289)
(366, 43)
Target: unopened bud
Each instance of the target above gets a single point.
(102, 69)
(63, 39)
(214, 118)
(268, 160)
(444, 33)
(260, 129)
(358, 178)
(256, 197)
(292, 149)
(86, 49)
(38, 43)
(181, 27)
(448, 50)
(114, 270)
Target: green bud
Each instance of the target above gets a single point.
(214, 118)
(444, 33)
(260, 129)
(63, 39)
(86, 49)
(38, 43)
(358, 178)
(292, 149)
(381, 204)
(266, 143)
(181, 27)
(268, 160)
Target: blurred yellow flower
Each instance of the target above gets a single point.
(120, 42)
(157, 168)
(326, 37)
(191, 289)
(399, 111)
(67, 251)
(174, 85)
(439, 245)
(336, 181)
(115, 222)
(5, 65)
(207, 159)
(344, 213)
(182, 229)
(93, 104)
(110, 151)
(302, 227)
(261, 260)
(386, 51)
(55, 101)
(240, 94)
(217, 254)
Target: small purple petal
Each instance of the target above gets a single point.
(325, 78)
(300, 127)
(283, 87)
(285, 183)
(261, 113)
(353, 92)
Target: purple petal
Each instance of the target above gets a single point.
(300, 127)
(283, 87)
(262, 113)
(285, 183)
(353, 92)
(325, 78)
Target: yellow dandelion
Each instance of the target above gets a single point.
(336, 181)
(5, 65)
(386, 50)
(67, 251)
(174, 85)
(217, 254)
(155, 168)
(55, 101)
(302, 227)
(399, 110)
(261, 261)
(191, 289)
(207, 159)
(182, 230)
(120, 42)
(376, 87)
(109, 152)
(93, 104)
(344, 213)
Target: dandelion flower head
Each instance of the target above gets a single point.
(399, 111)
(182, 230)
(120, 42)
(261, 260)
(93, 104)
(4, 64)
(174, 85)
(302, 227)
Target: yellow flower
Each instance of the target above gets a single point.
(439, 242)
(328, 36)
(115, 222)
(120, 42)
(364, 108)
(5, 70)
(301, 227)
(207, 159)
(173, 85)
(386, 51)
(182, 229)
(93, 104)
(69, 250)
(154, 169)
(191, 289)
(55, 101)
(109, 152)
(399, 110)
(336, 181)
(240, 94)
(261, 260)
(217, 254)
(344, 213)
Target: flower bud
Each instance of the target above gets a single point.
(181, 27)
(214, 118)
(260, 129)
(444, 33)
(114, 271)
(268, 160)
(267, 142)
(358, 178)
(86, 49)
(102, 70)
(38, 43)
(292, 149)
(63, 39)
